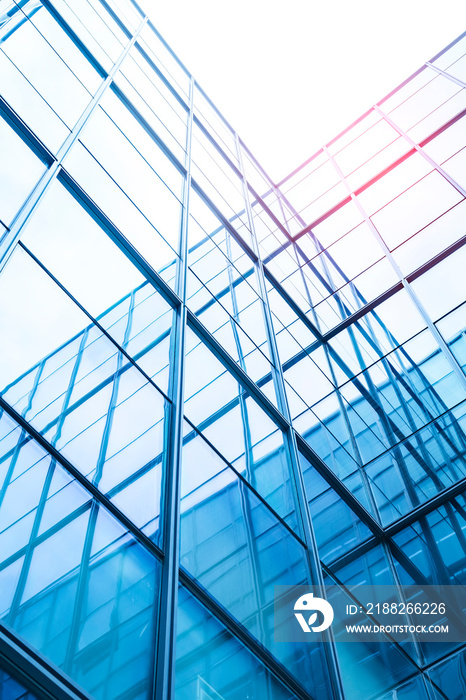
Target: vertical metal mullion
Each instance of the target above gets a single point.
(164, 685)
(85, 567)
(303, 512)
(69, 391)
(241, 361)
(13, 235)
(249, 459)
(81, 588)
(113, 400)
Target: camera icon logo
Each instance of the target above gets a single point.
(308, 603)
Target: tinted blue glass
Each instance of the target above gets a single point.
(238, 427)
(74, 583)
(436, 544)
(417, 689)
(336, 527)
(86, 398)
(359, 324)
(418, 468)
(11, 689)
(75, 249)
(452, 327)
(369, 669)
(235, 546)
(211, 664)
(449, 676)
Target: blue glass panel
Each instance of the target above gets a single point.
(238, 550)
(76, 250)
(89, 402)
(436, 544)
(420, 467)
(236, 425)
(337, 529)
(368, 669)
(449, 677)
(74, 583)
(452, 327)
(413, 690)
(11, 689)
(212, 665)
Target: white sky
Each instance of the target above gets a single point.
(289, 76)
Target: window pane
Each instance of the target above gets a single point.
(86, 398)
(442, 288)
(13, 690)
(74, 583)
(49, 74)
(236, 425)
(235, 546)
(20, 170)
(135, 173)
(211, 664)
(69, 242)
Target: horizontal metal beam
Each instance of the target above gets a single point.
(25, 133)
(339, 487)
(118, 238)
(33, 671)
(74, 38)
(82, 480)
(233, 367)
(263, 655)
(447, 495)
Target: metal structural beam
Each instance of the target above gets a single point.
(311, 442)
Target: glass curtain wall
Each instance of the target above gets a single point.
(212, 384)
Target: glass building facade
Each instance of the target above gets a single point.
(212, 384)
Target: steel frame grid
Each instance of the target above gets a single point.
(190, 319)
